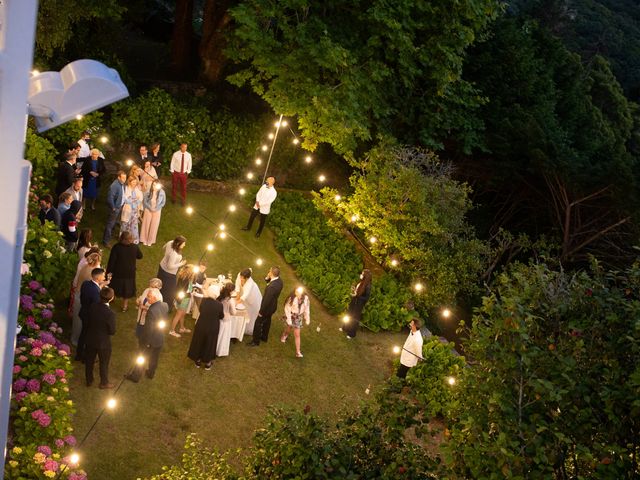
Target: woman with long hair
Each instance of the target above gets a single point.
(296, 311)
(122, 267)
(85, 242)
(131, 209)
(205, 334)
(156, 157)
(154, 201)
(169, 265)
(359, 297)
(184, 286)
(148, 176)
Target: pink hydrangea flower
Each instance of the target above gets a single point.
(23, 358)
(51, 465)
(19, 385)
(70, 440)
(36, 352)
(33, 385)
(50, 378)
(42, 418)
(16, 369)
(59, 442)
(20, 396)
(44, 449)
(60, 372)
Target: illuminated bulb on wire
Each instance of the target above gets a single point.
(129, 163)
(259, 262)
(277, 124)
(210, 247)
(418, 287)
(74, 459)
(308, 159)
(242, 191)
(446, 313)
(296, 141)
(284, 123)
(322, 178)
(111, 403)
(264, 148)
(396, 349)
(157, 186)
(196, 269)
(373, 240)
(180, 295)
(223, 235)
(338, 198)
(232, 208)
(104, 139)
(394, 262)
(258, 161)
(299, 290)
(354, 218)
(249, 176)
(162, 324)
(79, 117)
(189, 210)
(346, 319)
(451, 380)
(271, 136)
(140, 360)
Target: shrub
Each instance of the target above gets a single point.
(553, 390)
(68, 132)
(328, 263)
(42, 155)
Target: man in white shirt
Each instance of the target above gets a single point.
(412, 349)
(180, 168)
(84, 154)
(264, 198)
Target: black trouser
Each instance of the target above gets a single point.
(104, 355)
(81, 347)
(254, 214)
(402, 371)
(261, 329)
(351, 328)
(151, 357)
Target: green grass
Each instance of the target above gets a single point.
(224, 405)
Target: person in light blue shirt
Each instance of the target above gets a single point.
(115, 200)
(154, 200)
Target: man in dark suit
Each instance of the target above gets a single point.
(89, 294)
(268, 307)
(143, 156)
(67, 172)
(152, 335)
(47, 212)
(99, 328)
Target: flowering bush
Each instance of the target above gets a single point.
(41, 435)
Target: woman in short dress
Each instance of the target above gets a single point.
(184, 286)
(296, 311)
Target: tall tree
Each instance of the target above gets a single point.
(352, 70)
(181, 39)
(216, 20)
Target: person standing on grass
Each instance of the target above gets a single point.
(180, 168)
(268, 307)
(359, 298)
(67, 172)
(100, 327)
(144, 302)
(264, 198)
(154, 201)
(169, 266)
(122, 267)
(115, 201)
(92, 172)
(89, 294)
(249, 297)
(184, 287)
(205, 334)
(152, 336)
(131, 209)
(411, 350)
(69, 225)
(296, 311)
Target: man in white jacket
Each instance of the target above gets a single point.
(264, 198)
(412, 349)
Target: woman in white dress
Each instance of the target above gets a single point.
(229, 309)
(249, 298)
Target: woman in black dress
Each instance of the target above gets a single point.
(205, 334)
(359, 298)
(122, 266)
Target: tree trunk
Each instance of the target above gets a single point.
(216, 18)
(181, 40)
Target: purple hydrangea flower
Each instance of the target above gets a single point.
(47, 314)
(59, 442)
(20, 396)
(42, 291)
(20, 384)
(34, 285)
(33, 385)
(44, 449)
(70, 440)
(26, 302)
(47, 337)
(50, 378)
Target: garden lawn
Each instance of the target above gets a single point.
(225, 405)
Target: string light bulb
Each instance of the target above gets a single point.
(271, 135)
(373, 240)
(322, 178)
(196, 269)
(446, 313)
(129, 163)
(104, 139)
(242, 191)
(232, 208)
(181, 295)
(258, 161)
(396, 349)
(223, 235)
(264, 148)
(140, 360)
(394, 262)
(249, 175)
(35, 72)
(451, 380)
(210, 247)
(354, 218)
(308, 159)
(222, 226)
(162, 324)
(299, 290)
(111, 403)
(79, 117)
(277, 124)
(189, 210)
(157, 186)
(296, 141)
(346, 319)
(418, 287)
(259, 262)
(284, 123)
(74, 459)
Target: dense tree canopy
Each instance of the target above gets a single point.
(352, 70)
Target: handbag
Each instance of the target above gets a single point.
(125, 216)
